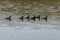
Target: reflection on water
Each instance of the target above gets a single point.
(16, 10)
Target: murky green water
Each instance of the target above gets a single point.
(16, 9)
(17, 29)
(34, 8)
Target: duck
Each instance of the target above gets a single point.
(27, 17)
(9, 18)
(38, 17)
(45, 18)
(33, 18)
(21, 18)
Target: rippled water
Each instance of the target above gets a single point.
(16, 10)
(29, 30)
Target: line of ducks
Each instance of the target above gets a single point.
(28, 18)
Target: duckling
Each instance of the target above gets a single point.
(45, 18)
(27, 17)
(33, 18)
(9, 18)
(21, 18)
(38, 17)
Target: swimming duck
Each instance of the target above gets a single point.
(21, 18)
(33, 18)
(38, 17)
(45, 18)
(27, 17)
(9, 18)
